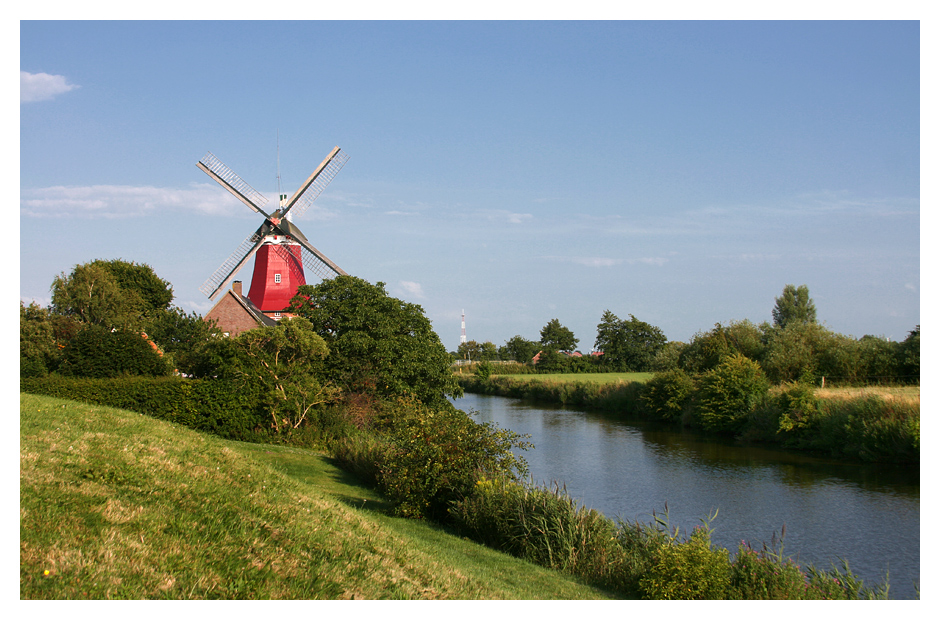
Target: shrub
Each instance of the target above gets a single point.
(689, 570)
(728, 393)
(101, 353)
(765, 575)
(435, 455)
(668, 393)
(214, 406)
(799, 407)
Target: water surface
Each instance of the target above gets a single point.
(867, 514)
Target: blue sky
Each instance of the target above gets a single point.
(681, 172)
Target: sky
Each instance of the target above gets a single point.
(517, 171)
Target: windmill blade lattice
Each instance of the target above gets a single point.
(231, 181)
(317, 265)
(299, 204)
(247, 247)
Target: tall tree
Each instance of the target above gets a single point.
(557, 337)
(628, 345)
(91, 294)
(794, 306)
(519, 349)
(378, 344)
(115, 294)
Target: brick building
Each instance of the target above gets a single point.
(234, 313)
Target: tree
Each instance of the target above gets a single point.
(794, 306)
(469, 350)
(378, 344)
(115, 294)
(519, 349)
(284, 362)
(628, 345)
(151, 293)
(557, 337)
(92, 295)
(729, 392)
(38, 351)
(909, 356)
(180, 335)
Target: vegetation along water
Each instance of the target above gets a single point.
(169, 504)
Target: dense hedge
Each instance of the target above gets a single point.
(209, 405)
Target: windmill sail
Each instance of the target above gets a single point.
(232, 264)
(316, 182)
(277, 234)
(227, 178)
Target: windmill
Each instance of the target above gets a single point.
(283, 252)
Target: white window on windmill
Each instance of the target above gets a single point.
(277, 278)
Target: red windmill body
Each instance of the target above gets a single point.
(282, 252)
(279, 270)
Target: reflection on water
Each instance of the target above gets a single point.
(869, 515)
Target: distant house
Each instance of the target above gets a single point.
(234, 313)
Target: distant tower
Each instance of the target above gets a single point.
(463, 327)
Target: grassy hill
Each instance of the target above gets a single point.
(114, 504)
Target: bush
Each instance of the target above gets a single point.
(689, 570)
(435, 455)
(799, 407)
(728, 393)
(219, 407)
(668, 393)
(765, 575)
(98, 352)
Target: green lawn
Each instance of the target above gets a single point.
(114, 504)
(597, 377)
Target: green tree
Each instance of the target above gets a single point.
(557, 337)
(628, 345)
(729, 392)
(519, 349)
(150, 292)
(470, 350)
(38, 351)
(488, 351)
(116, 294)
(283, 362)
(91, 295)
(378, 344)
(909, 356)
(794, 306)
(180, 335)
(707, 350)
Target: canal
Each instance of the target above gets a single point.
(866, 514)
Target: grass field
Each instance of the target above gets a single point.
(588, 377)
(889, 393)
(116, 505)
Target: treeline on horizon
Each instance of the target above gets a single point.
(795, 346)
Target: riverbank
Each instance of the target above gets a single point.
(872, 424)
(117, 505)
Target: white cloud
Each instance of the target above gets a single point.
(115, 201)
(599, 262)
(500, 215)
(596, 262)
(411, 288)
(42, 86)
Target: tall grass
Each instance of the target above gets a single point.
(647, 560)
